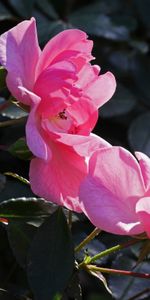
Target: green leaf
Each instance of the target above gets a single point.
(25, 208)
(140, 67)
(121, 103)
(4, 295)
(2, 182)
(47, 8)
(4, 13)
(144, 251)
(99, 25)
(73, 290)
(121, 62)
(51, 259)
(15, 189)
(24, 7)
(101, 7)
(143, 9)
(47, 28)
(13, 112)
(20, 149)
(20, 236)
(3, 73)
(96, 296)
(139, 134)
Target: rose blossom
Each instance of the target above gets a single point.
(115, 195)
(64, 92)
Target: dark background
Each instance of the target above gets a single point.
(120, 30)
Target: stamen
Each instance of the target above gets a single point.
(62, 115)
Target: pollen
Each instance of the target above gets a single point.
(62, 115)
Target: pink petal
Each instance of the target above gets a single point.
(84, 145)
(59, 179)
(143, 212)
(144, 162)
(54, 78)
(68, 40)
(84, 115)
(105, 210)
(19, 54)
(101, 89)
(87, 75)
(35, 136)
(28, 97)
(118, 170)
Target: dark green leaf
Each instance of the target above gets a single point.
(99, 25)
(123, 288)
(139, 45)
(2, 78)
(121, 103)
(47, 8)
(25, 208)
(47, 28)
(4, 295)
(20, 149)
(2, 182)
(102, 296)
(51, 260)
(73, 290)
(139, 134)
(143, 9)
(15, 189)
(140, 67)
(121, 61)
(20, 236)
(101, 7)
(125, 20)
(144, 251)
(24, 7)
(4, 13)
(13, 112)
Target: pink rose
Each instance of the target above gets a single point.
(115, 195)
(64, 92)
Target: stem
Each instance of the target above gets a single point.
(20, 178)
(12, 122)
(90, 237)
(117, 272)
(109, 251)
(113, 249)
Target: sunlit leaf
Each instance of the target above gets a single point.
(25, 208)
(13, 112)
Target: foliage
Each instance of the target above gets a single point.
(28, 266)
